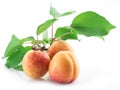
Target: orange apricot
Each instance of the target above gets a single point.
(58, 45)
(35, 63)
(64, 67)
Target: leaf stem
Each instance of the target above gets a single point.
(37, 37)
(52, 32)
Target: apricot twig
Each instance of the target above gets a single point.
(39, 47)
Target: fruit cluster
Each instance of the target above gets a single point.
(59, 60)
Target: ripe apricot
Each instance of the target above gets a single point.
(64, 67)
(58, 45)
(35, 63)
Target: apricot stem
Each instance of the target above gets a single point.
(39, 47)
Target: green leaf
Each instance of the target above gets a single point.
(101, 37)
(46, 41)
(16, 57)
(30, 38)
(65, 33)
(67, 13)
(70, 36)
(27, 48)
(91, 24)
(19, 68)
(14, 42)
(57, 14)
(45, 26)
(54, 12)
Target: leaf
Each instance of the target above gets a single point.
(15, 43)
(54, 12)
(57, 14)
(30, 38)
(67, 13)
(91, 24)
(27, 48)
(16, 57)
(12, 44)
(101, 37)
(70, 36)
(45, 26)
(65, 33)
(46, 41)
(19, 68)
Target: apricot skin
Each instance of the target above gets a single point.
(58, 45)
(35, 63)
(64, 67)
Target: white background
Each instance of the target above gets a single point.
(99, 60)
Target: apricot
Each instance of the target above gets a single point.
(64, 67)
(58, 45)
(35, 63)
